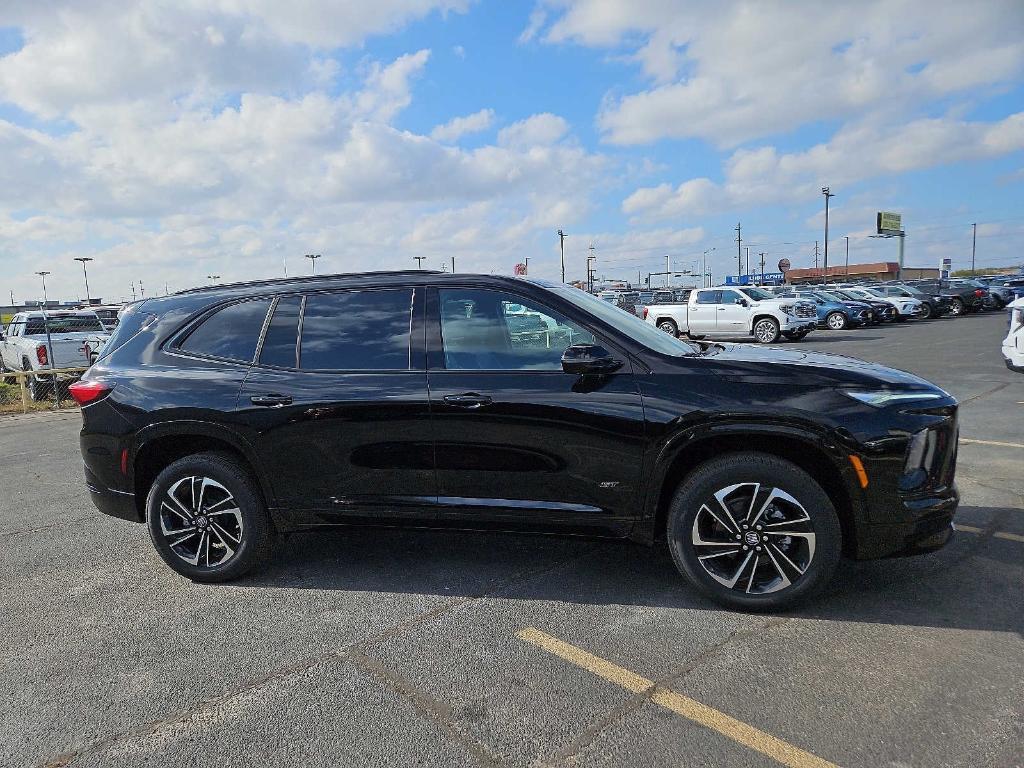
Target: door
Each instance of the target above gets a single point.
(337, 406)
(702, 314)
(733, 318)
(517, 440)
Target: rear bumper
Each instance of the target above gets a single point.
(111, 502)
(927, 525)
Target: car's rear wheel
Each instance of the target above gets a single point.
(926, 311)
(766, 330)
(669, 327)
(37, 389)
(956, 307)
(207, 519)
(754, 532)
(836, 321)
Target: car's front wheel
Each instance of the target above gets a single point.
(926, 311)
(207, 518)
(754, 532)
(836, 321)
(766, 330)
(956, 307)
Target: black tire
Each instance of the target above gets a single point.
(669, 326)
(746, 481)
(695, 336)
(957, 308)
(766, 330)
(37, 388)
(239, 532)
(835, 321)
(926, 311)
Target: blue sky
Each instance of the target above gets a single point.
(172, 143)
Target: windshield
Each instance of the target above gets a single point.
(631, 325)
(757, 294)
(829, 296)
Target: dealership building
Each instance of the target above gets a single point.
(881, 270)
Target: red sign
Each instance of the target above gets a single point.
(520, 269)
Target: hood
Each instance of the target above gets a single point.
(761, 364)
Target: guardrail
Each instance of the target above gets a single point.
(14, 388)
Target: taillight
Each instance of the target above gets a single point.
(41, 355)
(645, 313)
(86, 392)
(978, 292)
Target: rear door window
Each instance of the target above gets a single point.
(231, 333)
(357, 331)
(709, 297)
(281, 342)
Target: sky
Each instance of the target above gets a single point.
(174, 141)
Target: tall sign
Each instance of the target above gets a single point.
(889, 223)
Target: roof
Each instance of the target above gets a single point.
(305, 279)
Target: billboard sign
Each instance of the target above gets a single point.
(784, 265)
(889, 223)
(945, 267)
(768, 278)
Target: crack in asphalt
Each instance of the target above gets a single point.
(354, 653)
(49, 526)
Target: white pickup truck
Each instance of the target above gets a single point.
(75, 340)
(735, 311)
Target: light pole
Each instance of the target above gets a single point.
(84, 259)
(561, 247)
(312, 260)
(847, 257)
(704, 269)
(827, 193)
(974, 243)
(668, 270)
(419, 261)
(43, 275)
(211, 278)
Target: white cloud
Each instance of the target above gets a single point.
(542, 129)
(458, 127)
(731, 72)
(855, 153)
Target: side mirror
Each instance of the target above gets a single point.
(741, 302)
(588, 358)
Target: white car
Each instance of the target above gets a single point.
(905, 306)
(1013, 344)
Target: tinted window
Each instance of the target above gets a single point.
(708, 297)
(357, 331)
(490, 330)
(729, 297)
(280, 345)
(231, 333)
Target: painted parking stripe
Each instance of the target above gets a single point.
(971, 441)
(781, 751)
(995, 534)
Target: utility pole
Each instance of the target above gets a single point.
(704, 268)
(419, 261)
(84, 259)
(668, 271)
(762, 255)
(133, 290)
(739, 250)
(815, 255)
(747, 272)
(827, 193)
(561, 249)
(974, 242)
(847, 257)
(43, 275)
(312, 260)
(590, 258)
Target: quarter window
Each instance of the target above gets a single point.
(490, 330)
(280, 345)
(356, 331)
(231, 333)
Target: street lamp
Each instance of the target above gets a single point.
(704, 268)
(43, 275)
(561, 247)
(211, 278)
(419, 261)
(312, 260)
(84, 259)
(827, 193)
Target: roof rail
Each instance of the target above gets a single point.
(305, 279)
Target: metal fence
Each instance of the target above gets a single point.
(24, 391)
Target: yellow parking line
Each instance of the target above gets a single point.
(996, 534)
(971, 441)
(750, 737)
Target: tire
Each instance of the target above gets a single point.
(695, 336)
(669, 326)
(835, 321)
(36, 388)
(744, 481)
(766, 330)
(240, 536)
(957, 308)
(926, 311)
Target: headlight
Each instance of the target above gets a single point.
(787, 308)
(883, 397)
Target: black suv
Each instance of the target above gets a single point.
(225, 416)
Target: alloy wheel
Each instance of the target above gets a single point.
(766, 331)
(753, 538)
(836, 321)
(200, 521)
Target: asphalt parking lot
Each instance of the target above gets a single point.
(404, 647)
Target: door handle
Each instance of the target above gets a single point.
(467, 400)
(271, 400)
(721, 309)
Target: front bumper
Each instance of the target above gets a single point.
(792, 324)
(926, 525)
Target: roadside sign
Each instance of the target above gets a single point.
(945, 266)
(784, 265)
(520, 269)
(889, 223)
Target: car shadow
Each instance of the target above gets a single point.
(966, 585)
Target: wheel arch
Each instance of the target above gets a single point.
(161, 445)
(806, 450)
(764, 316)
